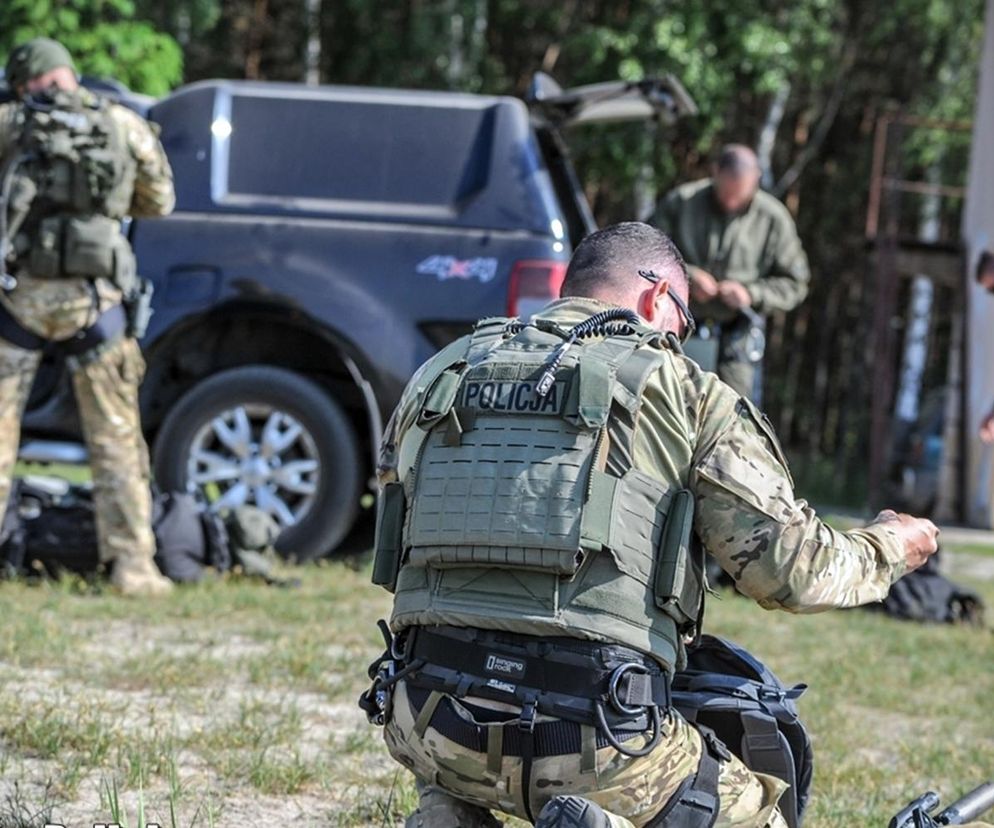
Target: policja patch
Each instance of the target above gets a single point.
(515, 397)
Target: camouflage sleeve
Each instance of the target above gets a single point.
(154, 194)
(771, 543)
(786, 284)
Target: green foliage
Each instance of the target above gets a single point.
(102, 36)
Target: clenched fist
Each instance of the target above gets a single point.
(918, 535)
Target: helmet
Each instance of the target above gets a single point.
(34, 58)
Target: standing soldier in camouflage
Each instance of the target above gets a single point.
(73, 166)
(745, 259)
(540, 483)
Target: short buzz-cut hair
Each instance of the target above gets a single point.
(611, 259)
(737, 159)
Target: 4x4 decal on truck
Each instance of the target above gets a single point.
(449, 267)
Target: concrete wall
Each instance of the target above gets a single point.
(978, 234)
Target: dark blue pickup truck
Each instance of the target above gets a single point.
(325, 242)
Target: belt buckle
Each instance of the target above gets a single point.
(526, 721)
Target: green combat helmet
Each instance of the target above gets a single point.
(34, 58)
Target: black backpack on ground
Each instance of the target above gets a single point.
(50, 528)
(734, 694)
(926, 595)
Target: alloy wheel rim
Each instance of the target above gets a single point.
(259, 455)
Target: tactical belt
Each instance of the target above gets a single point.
(109, 325)
(566, 676)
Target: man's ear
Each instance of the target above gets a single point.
(647, 305)
(650, 306)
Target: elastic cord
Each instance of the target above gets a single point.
(637, 753)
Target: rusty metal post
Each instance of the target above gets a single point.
(885, 301)
(877, 176)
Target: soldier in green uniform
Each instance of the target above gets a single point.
(74, 165)
(745, 258)
(540, 483)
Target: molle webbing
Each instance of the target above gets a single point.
(492, 502)
(521, 491)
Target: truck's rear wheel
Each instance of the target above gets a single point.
(270, 438)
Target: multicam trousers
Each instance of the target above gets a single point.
(460, 786)
(106, 389)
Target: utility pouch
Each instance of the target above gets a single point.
(390, 512)
(138, 308)
(439, 402)
(45, 256)
(63, 183)
(90, 247)
(679, 582)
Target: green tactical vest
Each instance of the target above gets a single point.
(508, 518)
(70, 185)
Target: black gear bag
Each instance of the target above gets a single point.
(49, 529)
(726, 689)
(927, 596)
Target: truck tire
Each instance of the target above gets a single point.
(271, 438)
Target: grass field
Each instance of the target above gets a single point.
(233, 703)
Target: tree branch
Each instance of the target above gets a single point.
(831, 110)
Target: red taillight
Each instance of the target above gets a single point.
(534, 283)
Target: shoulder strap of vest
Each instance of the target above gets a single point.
(486, 335)
(599, 372)
(634, 373)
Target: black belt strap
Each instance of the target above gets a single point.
(110, 324)
(696, 803)
(526, 727)
(16, 334)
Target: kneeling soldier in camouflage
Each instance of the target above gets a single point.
(73, 166)
(543, 483)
